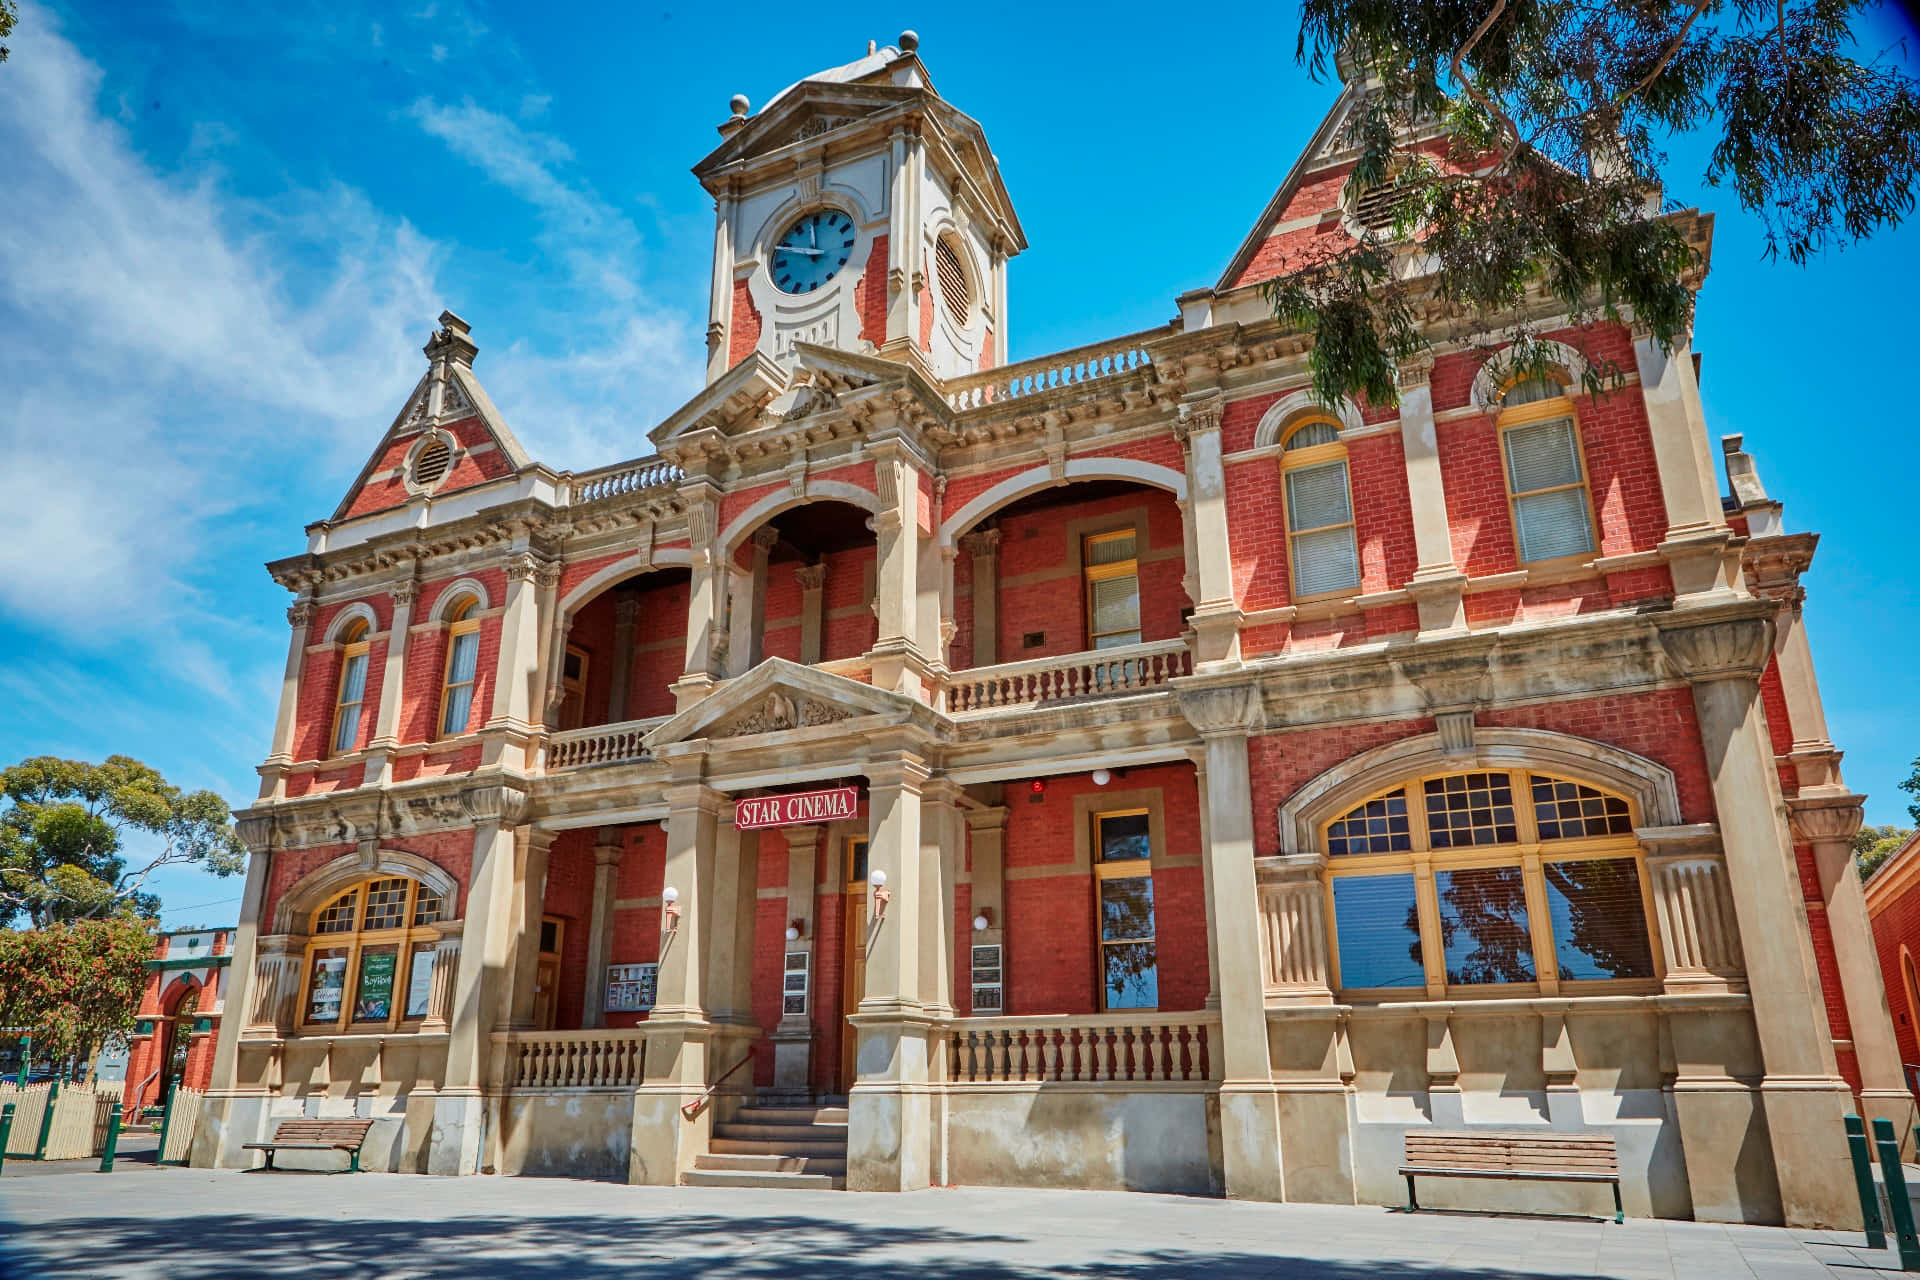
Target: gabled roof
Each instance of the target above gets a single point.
(485, 448)
(1318, 155)
(784, 697)
(759, 393)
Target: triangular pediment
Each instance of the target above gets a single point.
(779, 696)
(731, 404)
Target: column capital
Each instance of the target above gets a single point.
(990, 818)
(685, 796)
(406, 593)
(894, 772)
(1222, 710)
(1727, 649)
(981, 543)
(764, 537)
(498, 804)
(803, 837)
(608, 855)
(300, 615)
(1414, 372)
(1198, 415)
(1825, 819)
(811, 577)
(255, 831)
(524, 567)
(626, 610)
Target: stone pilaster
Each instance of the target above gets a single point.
(626, 616)
(386, 730)
(606, 878)
(532, 846)
(510, 727)
(899, 654)
(813, 612)
(707, 596)
(1216, 614)
(793, 1038)
(1696, 546)
(1438, 584)
(986, 842)
(235, 1113)
(983, 545)
(1802, 1094)
(273, 771)
(748, 624)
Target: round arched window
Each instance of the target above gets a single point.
(370, 956)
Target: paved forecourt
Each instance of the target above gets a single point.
(187, 1224)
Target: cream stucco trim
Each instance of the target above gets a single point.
(307, 895)
(455, 592)
(337, 628)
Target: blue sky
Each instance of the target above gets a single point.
(226, 232)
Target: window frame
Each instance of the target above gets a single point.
(573, 689)
(1092, 573)
(462, 620)
(407, 939)
(1131, 869)
(1532, 414)
(1300, 459)
(355, 642)
(1528, 852)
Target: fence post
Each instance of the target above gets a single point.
(1896, 1179)
(6, 1131)
(1863, 1181)
(113, 1139)
(46, 1120)
(166, 1122)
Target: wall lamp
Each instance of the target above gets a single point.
(881, 894)
(670, 910)
(795, 928)
(983, 921)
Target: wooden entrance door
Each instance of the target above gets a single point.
(546, 973)
(853, 969)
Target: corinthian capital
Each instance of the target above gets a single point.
(1732, 648)
(811, 577)
(1818, 819)
(981, 543)
(301, 615)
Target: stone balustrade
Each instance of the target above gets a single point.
(1062, 369)
(601, 744)
(1118, 1048)
(599, 1059)
(621, 479)
(1132, 668)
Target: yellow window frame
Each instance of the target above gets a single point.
(405, 940)
(464, 623)
(1527, 415)
(357, 643)
(1129, 568)
(1300, 459)
(1129, 869)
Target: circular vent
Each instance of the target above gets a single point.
(431, 463)
(953, 279)
(1377, 206)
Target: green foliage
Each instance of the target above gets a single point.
(1912, 787)
(9, 14)
(1874, 845)
(64, 828)
(74, 986)
(1519, 141)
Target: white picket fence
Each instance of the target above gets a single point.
(81, 1114)
(181, 1122)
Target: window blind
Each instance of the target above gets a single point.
(1324, 559)
(1110, 550)
(1599, 920)
(1377, 928)
(1116, 611)
(1545, 456)
(353, 687)
(460, 670)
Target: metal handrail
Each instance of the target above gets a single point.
(140, 1090)
(694, 1108)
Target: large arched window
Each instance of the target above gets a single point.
(352, 690)
(463, 662)
(1491, 882)
(370, 956)
(1319, 498)
(1546, 474)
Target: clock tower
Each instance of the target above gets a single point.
(858, 210)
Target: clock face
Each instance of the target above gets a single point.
(812, 251)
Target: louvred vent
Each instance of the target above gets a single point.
(431, 463)
(953, 279)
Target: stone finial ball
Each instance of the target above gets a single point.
(738, 104)
(909, 41)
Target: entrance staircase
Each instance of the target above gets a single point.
(777, 1146)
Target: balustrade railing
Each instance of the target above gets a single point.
(624, 478)
(1062, 369)
(1118, 1048)
(571, 1059)
(1099, 673)
(601, 744)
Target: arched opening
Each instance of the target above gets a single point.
(803, 588)
(1089, 565)
(624, 649)
(178, 1038)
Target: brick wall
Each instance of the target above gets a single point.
(870, 295)
(744, 334)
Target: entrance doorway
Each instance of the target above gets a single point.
(853, 970)
(546, 973)
(179, 1040)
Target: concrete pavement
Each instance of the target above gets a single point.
(186, 1224)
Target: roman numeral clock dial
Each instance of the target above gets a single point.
(812, 251)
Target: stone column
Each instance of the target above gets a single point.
(1802, 1094)
(1697, 535)
(491, 930)
(793, 1038)
(707, 597)
(510, 727)
(813, 612)
(273, 783)
(899, 661)
(626, 615)
(665, 1142)
(1250, 1122)
(984, 546)
(720, 304)
(889, 1130)
(1216, 614)
(905, 270)
(986, 838)
(942, 838)
(1829, 823)
(748, 642)
(530, 889)
(1437, 582)
(606, 878)
(386, 729)
(235, 1110)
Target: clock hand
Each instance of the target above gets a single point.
(794, 248)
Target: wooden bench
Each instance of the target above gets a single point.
(346, 1135)
(1516, 1156)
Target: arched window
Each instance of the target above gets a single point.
(1313, 466)
(1487, 883)
(463, 660)
(1910, 981)
(1546, 476)
(370, 956)
(353, 685)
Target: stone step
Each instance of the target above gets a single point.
(782, 1132)
(753, 1147)
(834, 1167)
(791, 1115)
(739, 1178)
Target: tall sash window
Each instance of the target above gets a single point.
(1546, 478)
(353, 687)
(1320, 539)
(463, 660)
(1113, 589)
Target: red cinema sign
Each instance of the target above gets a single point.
(799, 807)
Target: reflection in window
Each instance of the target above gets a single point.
(1129, 958)
(1377, 931)
(1599, 924)
(1483, 925)
(1113, 590)
(1470, 808)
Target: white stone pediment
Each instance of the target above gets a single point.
(779, 696)
(732, 405)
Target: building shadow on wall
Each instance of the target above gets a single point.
(572, 1248)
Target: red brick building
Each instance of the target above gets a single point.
(1228, 785)
(178, 1020)
(1893, 903)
